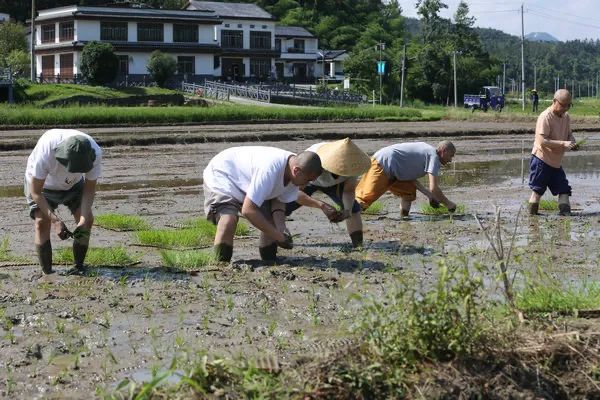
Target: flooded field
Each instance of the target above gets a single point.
(65, 336)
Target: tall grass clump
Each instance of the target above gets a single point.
(554, 297)
(209, 229)
(170, 238)
(441, 210)
(374, 209)
(97, 257)
(121, 222)
(187, 260)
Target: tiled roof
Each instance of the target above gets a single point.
(331, 54)
(292, 31)
(124, 12)
(231, 10)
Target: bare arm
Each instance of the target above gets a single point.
(438, 194)
(305, 200)
(87, 200)
(560, 144)
(36, 187)
(253, 214)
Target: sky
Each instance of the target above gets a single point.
(563, 19)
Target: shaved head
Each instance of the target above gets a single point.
(446, 145)
(561, 102)
(563, 96)
(309, 163)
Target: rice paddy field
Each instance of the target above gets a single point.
(420, 312)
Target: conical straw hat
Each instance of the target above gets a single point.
(343, 158)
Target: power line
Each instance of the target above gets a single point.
(562, 19)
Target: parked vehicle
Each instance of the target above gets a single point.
(488, 97)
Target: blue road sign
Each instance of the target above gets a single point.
(381, 67)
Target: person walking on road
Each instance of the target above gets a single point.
(257, 181)
(63, 168)
(342, 162)
(397, 167)
(553, 137)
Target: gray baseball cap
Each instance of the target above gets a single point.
(76, 153)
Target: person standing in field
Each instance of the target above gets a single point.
(342, 162)
(535, 100)
(553, 137)
(257, 181)
(63, 168)
(398, 167)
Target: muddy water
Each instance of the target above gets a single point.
(68, 335)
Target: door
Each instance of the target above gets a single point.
(66, 66)
(48, 66)
(279, 70)
(232, 69)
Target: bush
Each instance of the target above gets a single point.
(161, 67)
(19, 62)
(99, 63)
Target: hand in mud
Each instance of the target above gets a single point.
(288, 243)
(61, 230)
(80, 233)
(342, 215)
(330, 212)
(434, 203)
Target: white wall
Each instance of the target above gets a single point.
(204, 64)
(168, 32)
(132, 32)
(87, 30)
(206, 34)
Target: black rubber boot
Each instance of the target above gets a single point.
(357, 238)
(404, 213)
(564, 209)
(533, 208)
(223, 252)
(44, 252)
(79, 253)
(268, 253)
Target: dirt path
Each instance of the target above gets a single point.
(64, 336)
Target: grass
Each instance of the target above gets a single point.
(5, 255)
(209, 229)
(441, 210)
(548, 205)
(121, 222)
(19, 115)
(187, 260)
(97, 257)
(555, 298)
(374, 209)
(171, 238)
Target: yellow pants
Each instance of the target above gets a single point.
(374, 183)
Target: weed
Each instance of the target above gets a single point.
(180, 238)
(551, 296)
(374, 209)
(60, 327)
(121, 222)
(441, 210)
(108, 256)
(187, 260)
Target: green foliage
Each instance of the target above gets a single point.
(99, 63)
(187, 260)
(108, 256)
(121, 222)
(161, 67)
(548, 205)
(19, 62)
(374, 209)
(170, 238)
(12, 37)
(441, 210)
(554, 297)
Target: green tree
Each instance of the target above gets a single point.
(12, 37)
(161, 67)
(99, 64)
(19, 62)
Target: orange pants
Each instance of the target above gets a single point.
(374, 183)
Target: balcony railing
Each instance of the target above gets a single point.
(296, 50)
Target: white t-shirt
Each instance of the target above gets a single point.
(42, 163)
(326, 179)
(253, 171)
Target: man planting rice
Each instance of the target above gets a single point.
(553, 137)
(342, 162)
(62, 169)
(397, 167)
(256, 181)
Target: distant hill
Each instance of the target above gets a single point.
(541, 37)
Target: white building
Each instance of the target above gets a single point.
(333, 60)
(246, 37)
(298, 57)
(4, 17)
(135, 33)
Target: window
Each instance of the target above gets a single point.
(226, 25)
(251, 26)
(264, 27)
(147, 32)
(185, 33)
(67, 31)
(278, 44)
(260, 40)
(113, 31)
(232, 39)
(186, 65)
(216, 62)
(48, 33)
(299, 45)
(123, 64)
(239, 25)
(260, 67)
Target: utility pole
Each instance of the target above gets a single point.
(455, 95)
(504, 78)
(402, 75)
(32, 55)
(535, 76)
(522, 59)
(381, 47)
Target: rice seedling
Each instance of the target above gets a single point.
(441, 210)
(374, 209)
(555, 298)
(180, 238)
(187, 260)
(121, 222)
(548, 205)
(108, 256)
(209, 229)
(5, 255)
